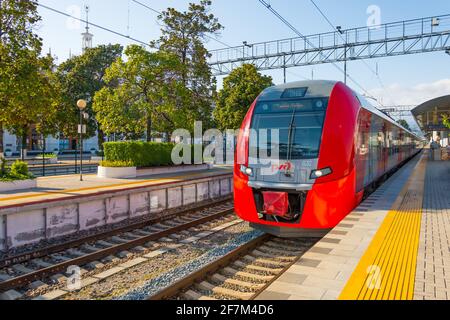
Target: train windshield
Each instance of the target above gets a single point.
(300, 125)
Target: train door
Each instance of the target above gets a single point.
(376, 147)
(363, 150)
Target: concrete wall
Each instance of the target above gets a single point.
(25, 225)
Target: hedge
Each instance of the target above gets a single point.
(140, 154)
(17, 171)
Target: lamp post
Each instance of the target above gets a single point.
(81, 104)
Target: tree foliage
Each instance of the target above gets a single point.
(184, 34)
(28, 90)
(142, 94)
(80, 77)
(38, 99)
(404, 123)
(161, 91)
(240, 89)
(446, 120)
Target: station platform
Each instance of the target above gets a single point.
(394, 246)
(66, 207)
(63, 187)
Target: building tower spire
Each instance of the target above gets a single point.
(87, 36)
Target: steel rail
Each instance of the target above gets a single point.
(89, 257)
(209, 269)
(20, 258)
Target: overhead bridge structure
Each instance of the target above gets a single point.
(398, 111)
(392, 39)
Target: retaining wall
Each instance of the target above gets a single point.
(29, 224)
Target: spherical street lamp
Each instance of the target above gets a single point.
(81, 104)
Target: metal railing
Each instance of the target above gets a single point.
(49, 170)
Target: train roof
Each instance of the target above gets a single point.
(368, 106)
(323, 89)
(316, 89)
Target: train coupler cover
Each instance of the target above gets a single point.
(276, 203)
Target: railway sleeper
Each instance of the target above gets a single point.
(264, 270)
(206, 286)
(245, 275)
(104, 244)
(21, 269)
(291, 249)
(263, 262)
(89, 248)
(234, 282)
(279, 256)
(75, 253)
(119, 240)
(132, 235)
(40, 263)
(193, 295)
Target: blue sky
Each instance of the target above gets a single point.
(407, 79)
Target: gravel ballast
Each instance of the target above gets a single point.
(166, 279)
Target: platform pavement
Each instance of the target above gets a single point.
(70, 185)
(433, 261)
(339, 266)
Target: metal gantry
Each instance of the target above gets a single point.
(399, 111)
(392, 39)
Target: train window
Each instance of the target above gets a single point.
(294, 93)
(288, 106)
(307, 118)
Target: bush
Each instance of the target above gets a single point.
(3, 167)
(50, 156)
(18, 171)
(140, 154)
(116, 164)
(19, 168)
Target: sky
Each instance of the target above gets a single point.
(407, 80)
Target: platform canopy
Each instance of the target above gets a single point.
(429, 114)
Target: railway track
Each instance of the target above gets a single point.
(92, 252)
(240, 275)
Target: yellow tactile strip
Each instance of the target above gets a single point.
(387, 269)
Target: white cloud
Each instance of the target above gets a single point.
(397, 94)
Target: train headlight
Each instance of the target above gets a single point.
(316, 174)
(247, 171)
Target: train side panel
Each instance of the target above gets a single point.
(334, 196)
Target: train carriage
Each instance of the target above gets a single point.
(307, 154)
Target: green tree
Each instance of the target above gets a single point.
(39, 99)
(184, 34)
(17, 43)
(404, 123)
(446, 120)
(80, 78)
(240, 89)
(142, 95)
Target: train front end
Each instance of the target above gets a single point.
(294, 173)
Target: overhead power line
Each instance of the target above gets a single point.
(343, 39)
(159, 13)
(92, 24)
(209, 37)
(279, 16)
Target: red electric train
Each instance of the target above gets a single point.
(308, 152)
